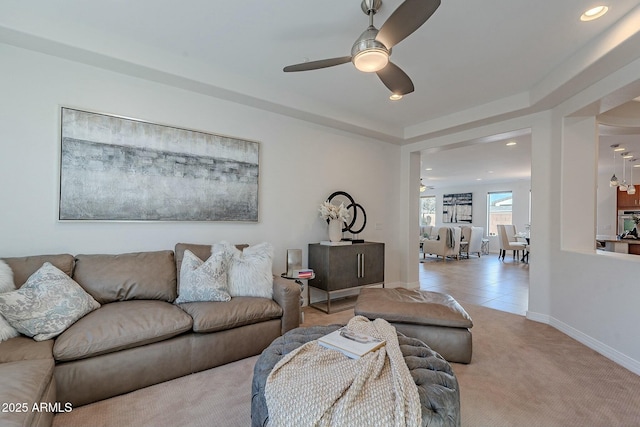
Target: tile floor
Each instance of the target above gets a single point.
(484, 281)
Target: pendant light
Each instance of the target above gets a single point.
(623, 185)
(613, 182)
(631, 189)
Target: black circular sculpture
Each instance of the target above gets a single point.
(354, 214)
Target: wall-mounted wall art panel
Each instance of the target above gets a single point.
(120, 169)
(457, 207)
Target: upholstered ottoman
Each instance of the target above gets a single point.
(432, 317)
(436, 382)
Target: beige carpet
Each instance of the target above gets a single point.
(523, 373)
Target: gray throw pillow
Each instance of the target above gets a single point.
(47, 304)
(203, 281)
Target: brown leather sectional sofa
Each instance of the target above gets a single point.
(137, 338)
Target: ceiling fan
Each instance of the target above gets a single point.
(370, 52)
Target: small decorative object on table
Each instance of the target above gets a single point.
(346, 215)
(351, 344)
(336, 216)
(297, 273)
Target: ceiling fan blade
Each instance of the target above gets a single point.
(407, 18)
(314, 65)
(395, 79)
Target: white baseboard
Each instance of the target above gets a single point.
(608, 352)
(538, 317)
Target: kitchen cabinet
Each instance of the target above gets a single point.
(626, 201)
(338, 268)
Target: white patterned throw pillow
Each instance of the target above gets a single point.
(203, 281)
(250, 270)
(6, 285)
(6, 278)
(47, 304)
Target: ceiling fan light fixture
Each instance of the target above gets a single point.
(395, 97)
(371, 60)
(369, 55)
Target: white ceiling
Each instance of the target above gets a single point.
(481, 163)
(620, 126)
(471, 62)
(491, 161)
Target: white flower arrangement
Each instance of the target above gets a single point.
(329, 211)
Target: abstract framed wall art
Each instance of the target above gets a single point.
(120, 169)
(457, 207)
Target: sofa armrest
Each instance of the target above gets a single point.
(287, 294)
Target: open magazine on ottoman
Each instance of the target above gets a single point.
(352, 344)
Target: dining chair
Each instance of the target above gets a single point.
(508, 241)
(475, 241)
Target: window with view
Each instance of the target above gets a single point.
(499, 210)
(428, 210)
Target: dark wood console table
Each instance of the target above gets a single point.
(338, 268)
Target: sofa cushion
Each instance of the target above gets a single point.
(140, 275)
(24, 267)
(24, 348)
(219, 316)
(24, 383)
(203, 280)
(47, 304)
(121, 325)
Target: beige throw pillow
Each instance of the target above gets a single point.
(250, 270)
(203, 281)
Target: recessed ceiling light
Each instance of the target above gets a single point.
(429, 169)
(636, 166)
(594, 13)
(511, 143)
(478, 179)
(395, 97)
(619, 149)
(489, 171)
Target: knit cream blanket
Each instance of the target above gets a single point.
(316, 386)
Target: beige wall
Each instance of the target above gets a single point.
(300, 165)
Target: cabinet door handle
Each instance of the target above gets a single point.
(360, 258)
